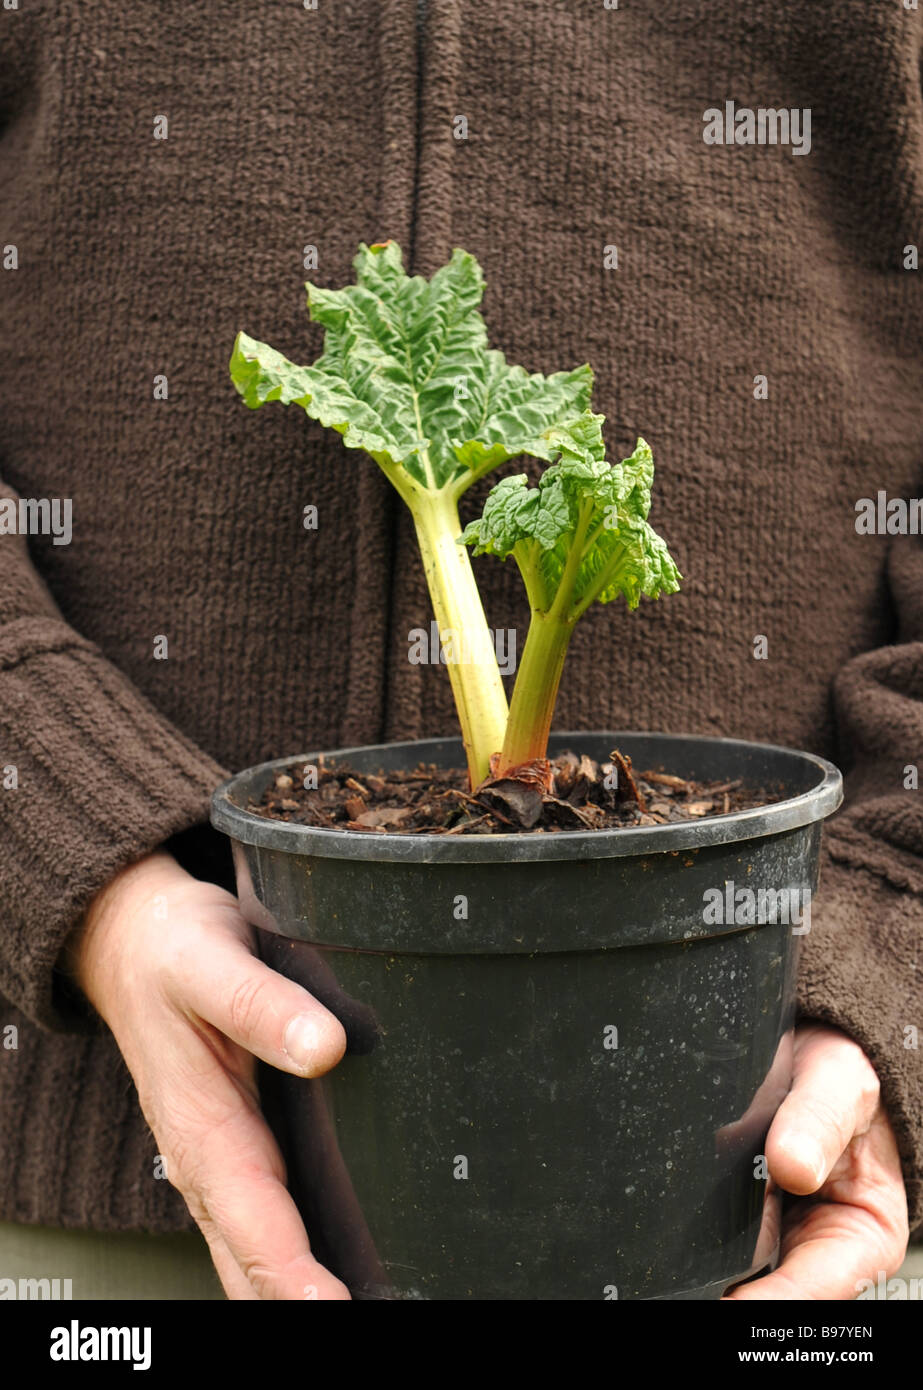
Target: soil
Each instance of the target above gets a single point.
(542, 797)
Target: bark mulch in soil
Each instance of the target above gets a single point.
(542, 797)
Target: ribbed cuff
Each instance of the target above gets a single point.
(102, 779)
(862, 971)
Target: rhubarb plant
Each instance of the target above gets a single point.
(580, 536)
(406, 375)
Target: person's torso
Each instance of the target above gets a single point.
(759, 329)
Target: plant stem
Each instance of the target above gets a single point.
(562, 599)
(536, 690)
(471, 656)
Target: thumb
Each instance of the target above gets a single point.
(271, 1017)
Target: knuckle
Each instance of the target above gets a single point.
(866, 1077)
(148, 1102)
(199, 1212)
(181, 1172)
(268, 1278)
(828, 1115)
(893, 1245)
(246, 1005)
(185, 1164)
(867, 1093)
(869, 1086)
(178, 957)
(260, 1275)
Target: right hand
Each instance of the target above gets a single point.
(168, 962)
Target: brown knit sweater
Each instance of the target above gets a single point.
(290, 127)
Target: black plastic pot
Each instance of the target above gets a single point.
(561, 1068)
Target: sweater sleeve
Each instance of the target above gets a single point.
(863, 958)
(91, 778)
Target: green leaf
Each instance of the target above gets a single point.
(261, 374)
(514, 413)
(406, 375)
(582, 534)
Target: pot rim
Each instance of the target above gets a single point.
(818, 802)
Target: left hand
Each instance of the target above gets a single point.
(832, 1145)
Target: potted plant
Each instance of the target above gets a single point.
(567, 975)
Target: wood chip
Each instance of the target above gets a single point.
(663, 779)
(698, 808)
(522, 801)
(628, 788)
(466, 825)
(384, 815)
(565, 773)
(538, 772)
(588, 816)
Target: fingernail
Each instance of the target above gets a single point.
(301, 1039)
(807, 1151)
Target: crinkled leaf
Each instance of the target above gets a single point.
(514, 511)
(261, 374)
(607, 504)
(407, 376)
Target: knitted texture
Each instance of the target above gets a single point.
(289, 128)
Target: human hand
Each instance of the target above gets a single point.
(832, 1145)
(168, 962)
